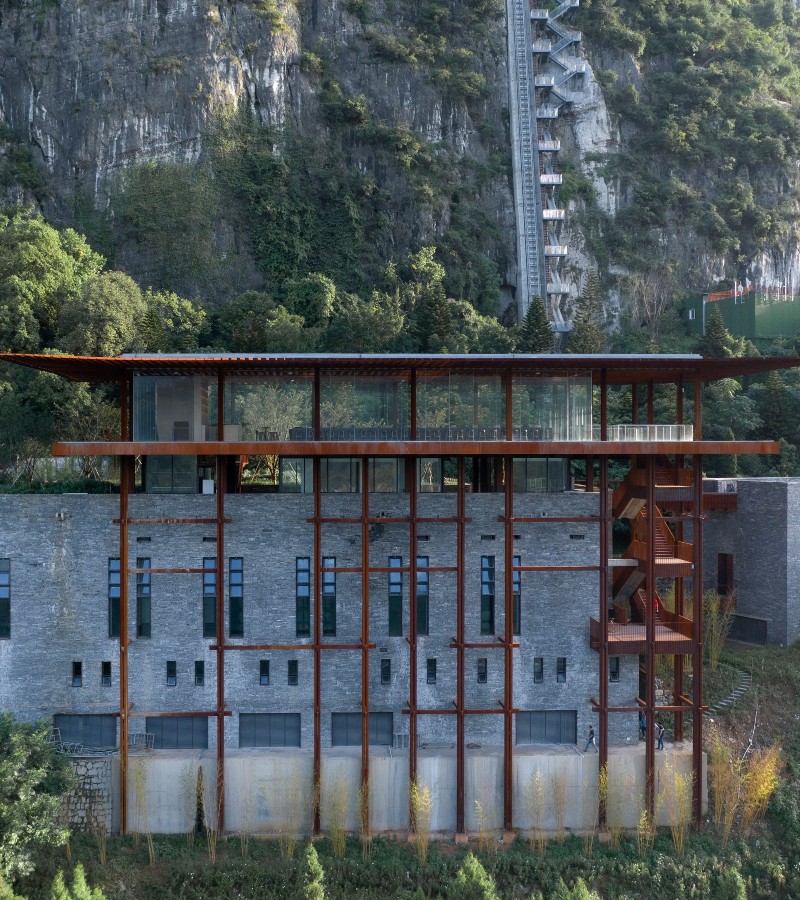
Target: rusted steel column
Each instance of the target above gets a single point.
(460, 674)
(412, 624)
(413, 404)
(222, 473)
(124, 487)
(698, 410)
(650, 657)
(679, 582)
(603, 404)
(317, 549)
(365, 641)
(508, 700)
(316, 403)
(604, 529)
(697, 642)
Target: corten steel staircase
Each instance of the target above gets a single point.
(672, 559)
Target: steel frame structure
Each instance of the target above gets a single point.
(605, 371)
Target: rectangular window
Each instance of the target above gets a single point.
(92, 731)
(346, 729)
(143, 598)
(483, 670)
(114, 586)
(105, 673)
(692, 315)
(77, 674)
(236, 595)
(423, 592)
(292, 671)
(613, 668)
(538, 669)
(386, 671)
(516, 580)
(178, 732)
(263, 672)
(431, 671)
(269, 729)
(561, 669)
(210, 596)
(5, 598)
(302, 581)
(328, 596)
(395, 597)
(487, 595)
(552, 726)
(199, 672)
(172, 673)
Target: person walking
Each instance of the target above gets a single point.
(660, 731)
(590, 741)
(642, 726)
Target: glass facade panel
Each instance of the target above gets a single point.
(552, 409)
(171, 475)
(386, 475)
(541, 474)
(460, 407)
(429, 475)
(296, 475)
(174, 408)
(274, 408)
(364, 408)
(340, 475)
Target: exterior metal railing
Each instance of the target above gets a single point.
(643, 433)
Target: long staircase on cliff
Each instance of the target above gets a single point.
(546, 75)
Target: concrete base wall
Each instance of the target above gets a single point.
(270, 792)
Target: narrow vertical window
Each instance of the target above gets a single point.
(328, 596)
(5, 598)
(561, 669)
(487, 595)
(172, 673)
(114, 586)
(199, 672)
(613, 668)
(423, 585)
(395, 597)
(538, 669)
(292, 671)
(263, 672)
(516, 582)
(302, 580)
(77, 674)
(209, 596)
(386, 671)
(431, 671)
(143, 599)
(236, 596)
(105, 673)
(483, 670)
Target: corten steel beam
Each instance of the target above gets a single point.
(221, 485)
(292, 647)
(136, 521)
(411, 470)
(605, 523)
(412, 448)
(549, 519)
(365, 645)
(317, 641)
(650, 656)
(180, 714)
(697, 640)
(670, 707)
(124, 486)
(508, 702)
(460, 672)
(448, 711)
(177, 571)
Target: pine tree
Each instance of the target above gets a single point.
(535, 334)
(313, 875)
(717, 341)
(587, 335)
(473, 882)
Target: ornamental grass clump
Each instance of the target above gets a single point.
(421, 807)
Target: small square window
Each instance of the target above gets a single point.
(105, 673)
(77, 674)
(538, 669)
(172, 673)
(431, 671)
(292, 671)
(386, 671)
(483, 669)
(561, 669)
(263, 672)
(613, 668)
(199, 672)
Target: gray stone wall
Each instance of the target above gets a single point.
(90, 804)
(60, 546)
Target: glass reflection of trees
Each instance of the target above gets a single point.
(552, 409)
(460, 407)
(269, 409)
(364, 408)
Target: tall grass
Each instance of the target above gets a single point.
(535, 799)
(421, 806)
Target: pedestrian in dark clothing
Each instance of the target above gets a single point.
(660, 731)
(642, 726)
(590, 742)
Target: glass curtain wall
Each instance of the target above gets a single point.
(364, 408)
(273, 408)
(460, 408)
(174, 408)
(552, 409)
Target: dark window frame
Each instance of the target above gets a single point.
(281, 729)
(538, 669)
(487, 594)
(347, 725)
(430, 670)
(199, 673)
(483, 670)
(386, 671)
(114, 592)
(5, 599)
(516, 589)
(292, 672)
(209, 596)
(144, 599)
(77, 673)
(613, 668)
(328, 597)
(181, 732)
(172, 673)
(395, 584)
(105, 673)
(236, 596)
(561, 669)
(263, 672)
(302, 592)
(423, 595)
